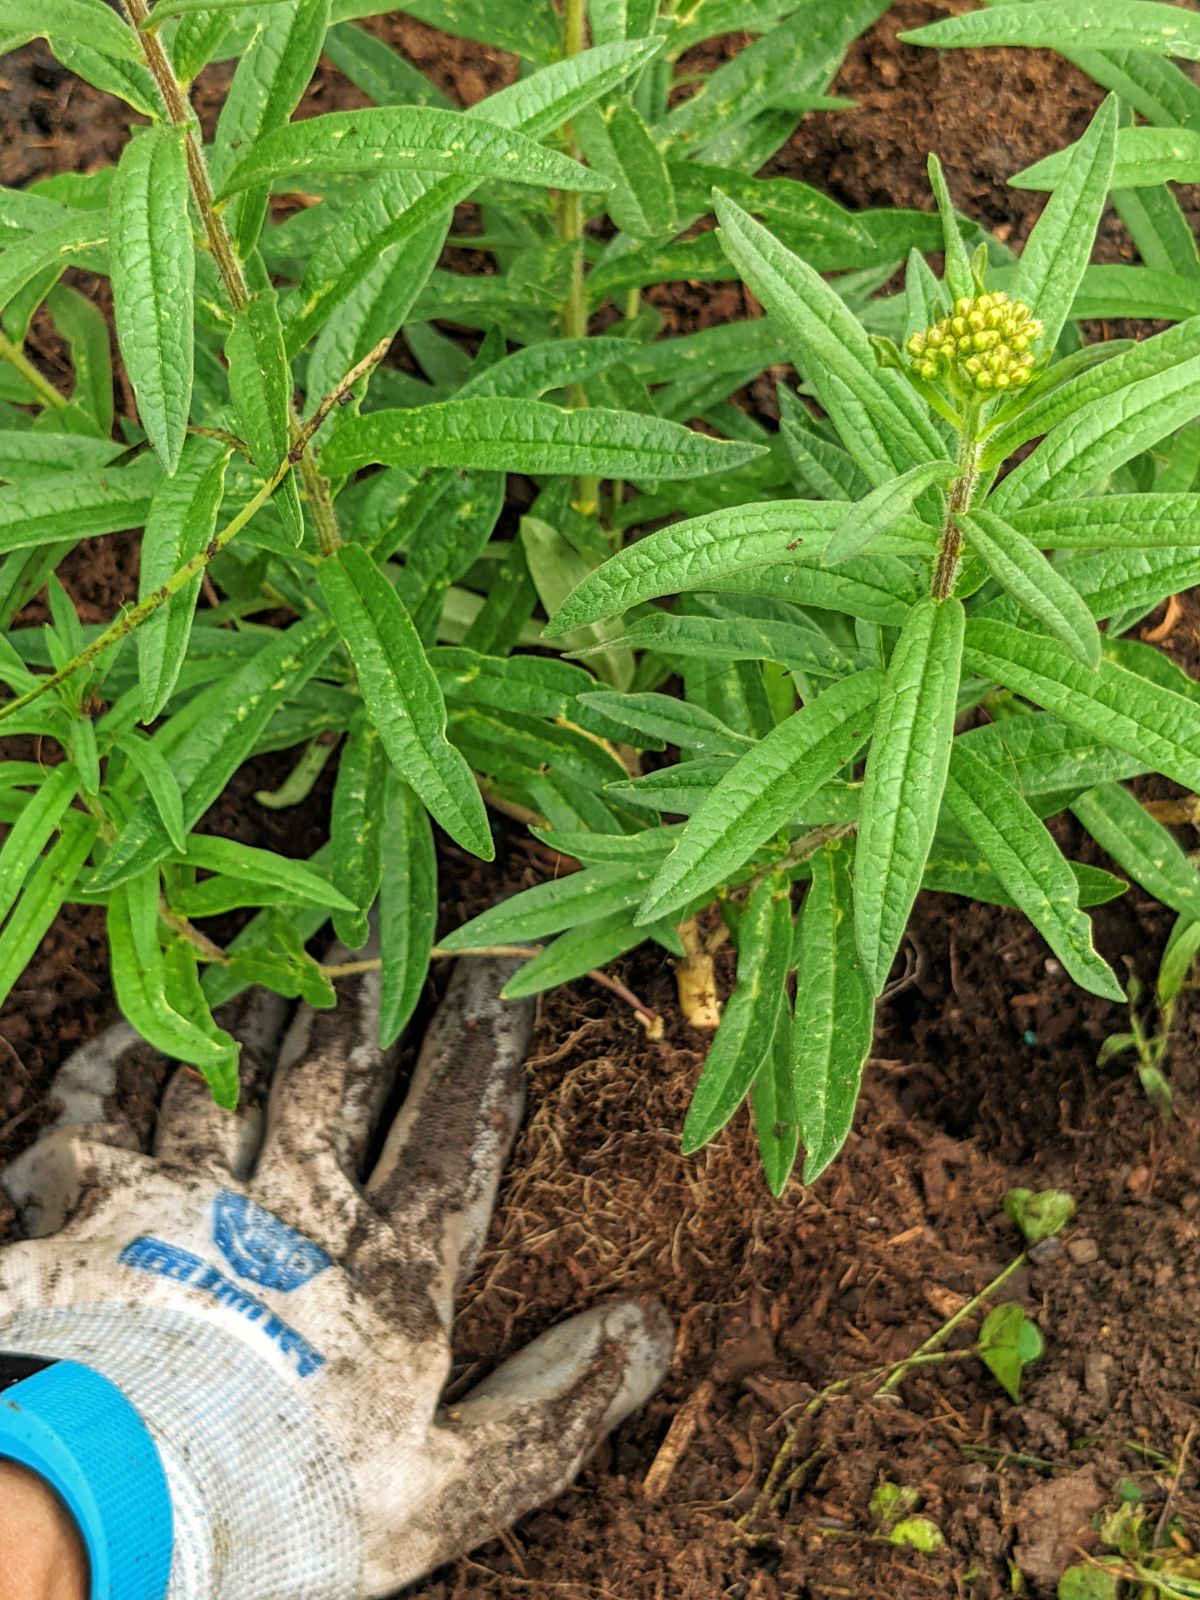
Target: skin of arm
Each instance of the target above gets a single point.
(41, 1554)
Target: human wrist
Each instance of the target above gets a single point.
(41, 1552)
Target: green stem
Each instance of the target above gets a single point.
(233, 276)
(946, 567)
(570, 231)
(938, 1339)
(20, 362)
(183, 575)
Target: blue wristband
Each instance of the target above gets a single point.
(77, 1430)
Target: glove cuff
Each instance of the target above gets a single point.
(75, 1429)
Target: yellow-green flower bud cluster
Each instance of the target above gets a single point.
(987, 342)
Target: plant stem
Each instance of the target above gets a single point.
(946, 567)
(20, 362)
(183, 575)
(570, 231)
(938, 1339)
(229, 266)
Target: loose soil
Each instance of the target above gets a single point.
(984, 1076)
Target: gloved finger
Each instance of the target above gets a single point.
(437, 1175)
(66, 1173)
(520, 1438)
(193, 1131)
(330, 1085)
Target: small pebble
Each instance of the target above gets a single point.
(1083, 1251)
(1046, 1251)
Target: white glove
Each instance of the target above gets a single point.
(282, 1331)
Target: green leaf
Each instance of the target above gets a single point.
(179, 524)
(835, 1011)
(574, 953)
(1057, 251)
(264, 869)
(830, 346)
(667, 720)
(50, 883)
(1088, 1583)
(86, 22)
(84, 328)
(48, 250)
(153, 275)
(180, 8)
(764, 791)
(1020, 567)
(405, 139)
(260, 380)
(272, 74)
(571, 901)
(1166, 30)
(1040, 1214)
(874, 514)
(1177, 962)
(1030, 866)
(1127, 521)
(620, 145)
(531, 436)
(140, 982)
(225, 725)
(1144, 156)
(1153, 724)
(76, 505)
(1102, 436)
(408, 906)
(506, 24)
(382, 73)
(1140, 846)
(905, 777)
(402, 695)
(161, 784)
(774, 1112)
(1162, 234)
(28, 453)
(356, 824)
(1008, 1342)
(958, 263)
(953, 869)
(698, 553)
(40, 816)
(744, 1038)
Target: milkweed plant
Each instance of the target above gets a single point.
(332, 564)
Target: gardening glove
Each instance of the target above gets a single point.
(239, 1350)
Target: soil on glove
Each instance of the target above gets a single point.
(984, 1076)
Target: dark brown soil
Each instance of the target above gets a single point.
(984, 1077)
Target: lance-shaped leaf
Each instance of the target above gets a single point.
(1144, 157)
(140, 982)
(402, 695)
(76, 505)
(876, 513)
(700, 552)
(153, 275)
(41, 813)
(406, 139)
(958, 264)
(260, 379)
(180, 523)
(1021, 568)
(1068, 25)
(80, 22)
(272, 74)
(619, 144)
(264, 869)
(531, 436)
(1029, 864)
(835, 1011)
(579, 950)
(775, 1122)
(579, 897)
(85, 329)
(906, 773)
(1153, 724)
(1101, 437)
(764, 791)
(223, 726)
(1124, 521)
(355, 830)
(1140, 846)
(408, 906)
(829, 342)
(743, 1040)
(53, 878)
(1053, 260)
